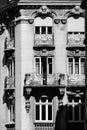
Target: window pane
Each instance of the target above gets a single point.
(82, 112)
(43, 30)
(70, 113)
(49, 65)
(37, 30)
(43, 112)
(82, 65)
(76, 112)
(37, 112)
(49, 30)
(70, 65)
(76, 65)
(37, 61)
(50, 112)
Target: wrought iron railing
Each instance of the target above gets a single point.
(9, 82)
(44, 126)
(53, 79)
(43, 39)
(9, 44)
(75, 39)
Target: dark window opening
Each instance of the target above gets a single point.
(49, 30)
(43, 112)
(50, 112)
(50, 65)
(43, 30)
(37, 30)
(37, 112)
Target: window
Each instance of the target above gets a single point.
(37, 65)
(11, 110)
(43, 65)
(49, 30)
(11, 31)
(76, 110)
(37, 30)
(49, 65)
(43, 109)
(76, 65)
(82, 65)
(70, 65)
(43, 30)
(11, 73)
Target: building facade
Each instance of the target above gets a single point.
(42, 65)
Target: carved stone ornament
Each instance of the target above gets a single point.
(27, 106)
(56, 21)
(31, 21)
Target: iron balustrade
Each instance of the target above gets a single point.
(44, 126)
(52, 79)
(75, 39)
(43, 39)
(76, 79)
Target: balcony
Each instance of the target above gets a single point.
(43, 41)
(45, 80)
(75, 40)
(9, 45)
(76, 80)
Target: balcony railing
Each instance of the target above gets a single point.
(75, 40)
(50, 80)
(44, 126)
(44, 40)
(75, 80)
(9, 44)
(9, 82)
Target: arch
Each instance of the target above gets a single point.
(75, 25)
(43, 22)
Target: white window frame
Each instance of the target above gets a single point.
(47, 65)
(73, 104)
(74, 65)
(40, 103)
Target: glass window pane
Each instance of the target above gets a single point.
(37, 30)
(70, 65)
(37, 61)
(49, 30)
(76, 65)
(37, 112)
(50, 112)
(43, 112)
(49, 65)
(82, 112)
(76, 112)
(82, 65)
(43, 30)
(70, 112)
